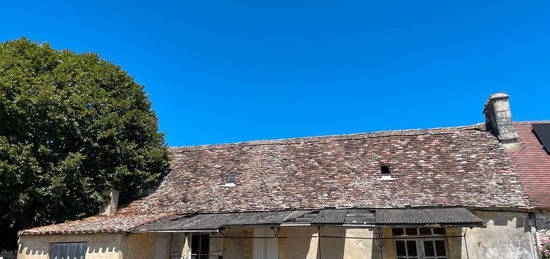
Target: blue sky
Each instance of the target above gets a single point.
(229, 71)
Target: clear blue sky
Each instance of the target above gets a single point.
(229, 71)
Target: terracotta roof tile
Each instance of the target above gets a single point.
(533, 164)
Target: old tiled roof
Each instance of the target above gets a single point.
(533, 163)
(460, 166)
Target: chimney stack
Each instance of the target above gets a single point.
(111, 207)
(498, 119)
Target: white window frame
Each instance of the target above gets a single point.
(419, 241)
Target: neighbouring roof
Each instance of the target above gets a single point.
(533, 163)
(459, 166)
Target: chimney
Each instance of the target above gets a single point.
(498, 119)
(111, 207)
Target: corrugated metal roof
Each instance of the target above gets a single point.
(426, 216)
(348, 216)
(216, 221)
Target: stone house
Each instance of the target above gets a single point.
(446, 193)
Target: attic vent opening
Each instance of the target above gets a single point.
(386, 172)
(385, 169)
(231, 180)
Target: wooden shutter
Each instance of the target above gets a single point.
(216, 246)
(265, 248)
(68, 251)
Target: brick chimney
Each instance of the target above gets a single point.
(498, 120)
(112, 204)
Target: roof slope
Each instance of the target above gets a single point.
(533, 163)
(461, 166)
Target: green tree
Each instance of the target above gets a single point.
(71, 126)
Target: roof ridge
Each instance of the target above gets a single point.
(338, 137)
(531, 122)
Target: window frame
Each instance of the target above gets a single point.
(419, 242)
(200, 252)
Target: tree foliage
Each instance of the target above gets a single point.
(71, 126)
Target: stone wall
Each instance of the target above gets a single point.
(507, 236)
(141, 245)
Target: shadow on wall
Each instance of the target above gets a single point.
(42, 247)
(332, 243)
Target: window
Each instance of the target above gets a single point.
(231, 180)
(420, 243)
(68, 251)
(200, 244)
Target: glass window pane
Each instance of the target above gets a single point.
(429, 248)
(204, 244)
(400, 246)
(195, 244)
(411, 248)
(425, 231)
(397, 231)
(440, 247)
(194, 257)
(411, 231)
(439, 231)
(203, 257)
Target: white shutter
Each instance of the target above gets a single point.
(265, 248)
(177, 241)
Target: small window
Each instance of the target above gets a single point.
(68, 250)
(385, 169)
(231, 180)
(200, 244)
